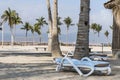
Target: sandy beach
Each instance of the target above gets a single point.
(35, 66)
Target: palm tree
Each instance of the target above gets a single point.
(8, 16)
(106, 34)
(55, 42)
(82, 42)
(41, 22)
(26, 27)
(68, 22)
(50, 23)
(98, 29)
(17, 20)
(32, 28)
(114, 5)
(93, 27)
(37, 29)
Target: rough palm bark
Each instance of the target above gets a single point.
(82, 43)
(56, 52)
(114, 5)
(50, 26)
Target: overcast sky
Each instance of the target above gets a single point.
(29, 10)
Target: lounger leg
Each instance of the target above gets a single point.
(92, 70)
(58, 68)
(108, 71)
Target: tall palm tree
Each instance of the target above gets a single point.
(114, 5)
(82, 42)
(55, 42)
(8, 16)
(50, 23)
(93, 27)
(37, 29)
(68, 22)
(41, 22)
(106, 33)
(26, 27)
(17, 20)
(98, 29)
(32, 29)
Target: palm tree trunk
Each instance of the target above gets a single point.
(26, 39)
(116, 38)
(12, 37)
(67, 37)
(40, 38)
(50, 26)
(115, 6)
(94, 37)
(33, 38)
(15, 34)
(82, 43)
(2, 34)
(55, 42)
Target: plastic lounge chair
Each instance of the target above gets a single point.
(98, 56)
(93, 56)
(76, 64)
(84, 63)
(101, 66)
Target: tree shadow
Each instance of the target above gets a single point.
(15, 70)
(16, 53)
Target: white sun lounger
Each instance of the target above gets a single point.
(93, 55)
(83, 63)
(98, 56)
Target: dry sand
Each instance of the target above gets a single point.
(32, 67)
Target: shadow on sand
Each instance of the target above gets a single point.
(14, 70)
(16, 53)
